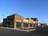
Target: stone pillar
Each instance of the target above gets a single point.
(22, 24)
(15, 21)
(32, 25)
(35, 25)
(28, 23)
(14, 24)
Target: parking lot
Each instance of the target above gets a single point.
(10, 32)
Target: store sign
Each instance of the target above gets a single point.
(18, 20)
(25, 20)
(33, 21)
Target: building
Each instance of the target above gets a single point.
(17, 21)
(1, 24)
(42, 25)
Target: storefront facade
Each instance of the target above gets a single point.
(17, 21)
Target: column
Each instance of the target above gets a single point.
(22, 24)
(32, 25)
(28, 23)
(15, 21)
(14, 24)
(35, 25)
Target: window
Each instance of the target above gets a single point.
(25, 24)
(18, 24)
(34, 25)
(30, 25)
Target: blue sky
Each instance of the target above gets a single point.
(27, 8)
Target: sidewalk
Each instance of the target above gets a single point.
(17, 29)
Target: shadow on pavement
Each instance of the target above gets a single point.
(41, 30)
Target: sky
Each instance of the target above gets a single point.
(26, 8)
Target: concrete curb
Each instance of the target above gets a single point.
(17, 29)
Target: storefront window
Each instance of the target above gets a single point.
(30, 25)
(34, 25)
(18, 24)
(25, 24)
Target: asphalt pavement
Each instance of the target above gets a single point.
(9, 32)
